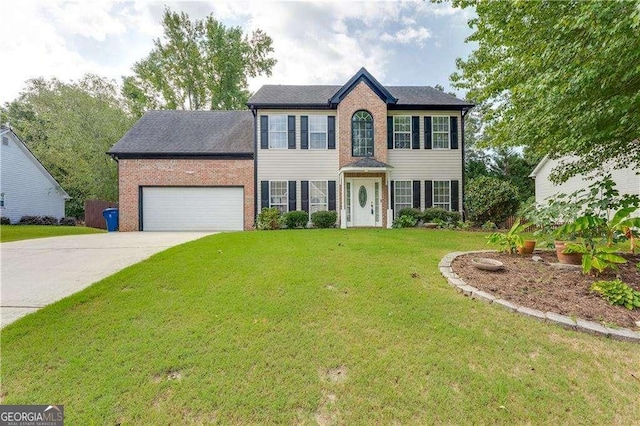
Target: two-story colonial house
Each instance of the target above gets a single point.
(362, 149)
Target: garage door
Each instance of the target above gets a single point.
(192, 209)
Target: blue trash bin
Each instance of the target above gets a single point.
(111, 217)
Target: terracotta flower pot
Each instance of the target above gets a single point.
(567, 258)
(528, 247)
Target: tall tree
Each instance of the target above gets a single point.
(562, 78)
(70, 127)
(199, 64)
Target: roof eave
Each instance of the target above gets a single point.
(179, 155)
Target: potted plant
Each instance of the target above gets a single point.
(527, 247)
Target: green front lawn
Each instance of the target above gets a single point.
(26, 232)
(299, 327)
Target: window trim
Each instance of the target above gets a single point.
(326, 195)
(409, 133)
(326, 132)
(373, 142)
(433, 132)
(433, 195)
(285, 132)
(395, 197)
(286, 196)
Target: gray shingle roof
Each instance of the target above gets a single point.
(320, 95)
(189, 133)
(367, 163)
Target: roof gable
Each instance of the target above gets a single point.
(363, 76)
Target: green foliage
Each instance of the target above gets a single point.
(198, 64)
(10, 233)
(404, 221)
(489, 226)
(618, 293)
(432, 214)
(596, 258)
(558, 77)
(489, 198)
(269, 218)
(69, 127)
(5, 221)
(296, 219)
(510, 241)
(38, 220)
(412, 212)
(324, 219)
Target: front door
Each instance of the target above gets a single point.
(365, 201)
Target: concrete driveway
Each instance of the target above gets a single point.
(35, 273)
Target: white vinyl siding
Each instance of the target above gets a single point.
(317, 132)
(440, 132)
(278, 132)
(192, 209)
(403, 195)
(279, 195)
(318, 199)
(402, 132)
(442, 194)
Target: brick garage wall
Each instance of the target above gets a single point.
(204, 172)
(362, 98)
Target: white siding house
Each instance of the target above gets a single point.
(26, 187)
(627, 180)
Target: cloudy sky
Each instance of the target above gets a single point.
(321, 42)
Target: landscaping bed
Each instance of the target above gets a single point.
(540, 286)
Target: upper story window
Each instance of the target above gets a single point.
(440, 132)
(317, 132)
(362, 134)
(277, 132)
(402, 132)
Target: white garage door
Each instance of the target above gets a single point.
(192, 209)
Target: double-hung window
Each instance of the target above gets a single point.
(317, 132)
(279, 195)
(318, 196)
(278, 132)
(440, 132)
(403, 195)
(402, 132)
(442, 194)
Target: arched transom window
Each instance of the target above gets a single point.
(362, 134)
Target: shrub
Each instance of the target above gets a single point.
(269, 218)
(324, 219)
(5, 221)
(490, 198)
(435, 214)
(411, 212)
(67, 221)
(489, 226)
(296, 219)
(618, 293)
(38, 220)
(404, 221)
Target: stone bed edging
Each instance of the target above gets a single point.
(551, 317)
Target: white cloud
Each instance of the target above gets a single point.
(91, 19)
(408, 35)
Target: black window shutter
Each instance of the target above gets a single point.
(264, 132)
(291, 127)
(393, 195)
(292, 195)
(304, 193)
(416, 194)
(304, 132)
(332, 195)
(415, 132)
(264, 194)
(331, 128)
(455, 204)
(428, 194)
(389, 132)
(427, 133)
(453, 132)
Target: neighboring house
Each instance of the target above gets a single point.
(26, 187)
(361, 149)
(627, 181)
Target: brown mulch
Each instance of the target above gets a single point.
(539, 286)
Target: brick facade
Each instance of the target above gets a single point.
(362, 98)
(187, 172)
